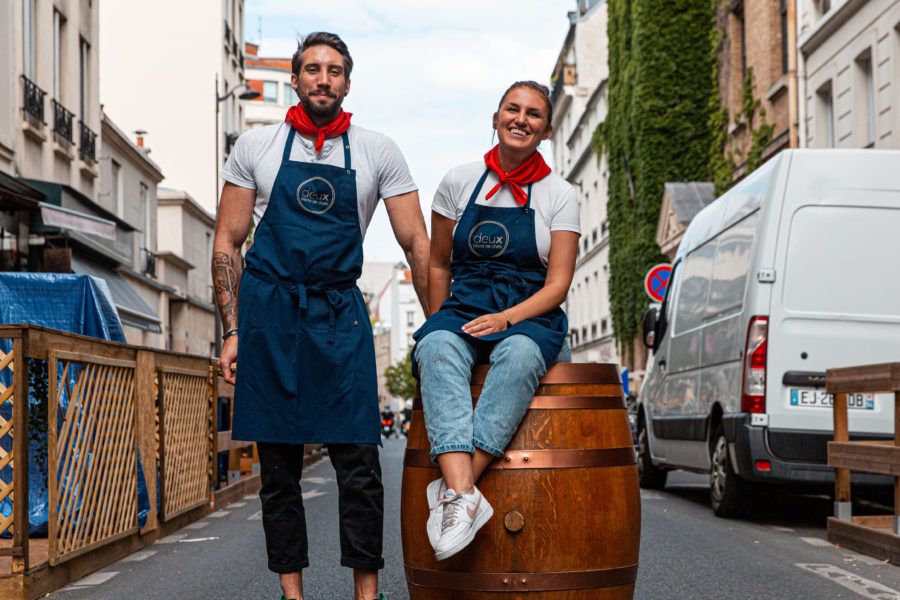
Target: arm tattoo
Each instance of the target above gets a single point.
(226, 279)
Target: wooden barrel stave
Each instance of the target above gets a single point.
(558, 505)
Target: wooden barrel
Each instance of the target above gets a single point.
(567, 513)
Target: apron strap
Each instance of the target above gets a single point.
(528, 199)
(346, 142)
(286, 155)
(477, 189)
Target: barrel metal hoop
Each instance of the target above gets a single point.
(561, 402)
(540, 459)
(519, 582)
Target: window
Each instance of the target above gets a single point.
(410, 318)
(270, 91)
(825, 6)
(290, 97)
(825, 116)
(28, 41)
(85, 49)
(146, 218)
(742, 32)
(784, 36)
(59, 22)
(118, 195)
(865, 86)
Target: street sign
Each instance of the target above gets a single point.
(656, 281)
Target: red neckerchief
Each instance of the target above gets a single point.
(300, 121)
(533, 169)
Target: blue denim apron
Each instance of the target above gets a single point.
(306, 357)
(496, 265)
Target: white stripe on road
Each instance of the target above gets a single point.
(814, 541)
(237, 505)
(171, 539)
(197, 525)
(316, 480)
(219, 514)
(91, 580)
(780, 528)
(257, 516)
(313, 494)
(864, 587)
(207, 539)
(645, 495)
(138, 556)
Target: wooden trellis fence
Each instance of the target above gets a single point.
(112, 411)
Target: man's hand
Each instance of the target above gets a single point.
(228, 357)
(486, 325)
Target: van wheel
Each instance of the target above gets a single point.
(727, 491)
(650, 476)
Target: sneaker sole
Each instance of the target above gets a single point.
(463, 542)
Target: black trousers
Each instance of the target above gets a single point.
(360, 503)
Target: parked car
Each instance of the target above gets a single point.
(791, 272)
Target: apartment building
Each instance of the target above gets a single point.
(271, 78)
(579, 105)
(180, 83)
(850, 72)
(758, 38)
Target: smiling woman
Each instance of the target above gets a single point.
(504, 237)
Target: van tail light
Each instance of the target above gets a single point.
(753, 396)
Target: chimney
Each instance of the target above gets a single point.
(140, 133)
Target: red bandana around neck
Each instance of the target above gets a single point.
(300, 121)
(533, 169)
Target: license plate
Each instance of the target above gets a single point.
(821, 399)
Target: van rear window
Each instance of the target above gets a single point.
(842, 260)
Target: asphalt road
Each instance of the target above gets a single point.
(778, 552)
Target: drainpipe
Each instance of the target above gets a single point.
(796, 96)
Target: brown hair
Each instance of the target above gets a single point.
(322, 38)
(543, 90)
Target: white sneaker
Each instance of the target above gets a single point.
(435, 492)
(464, 515)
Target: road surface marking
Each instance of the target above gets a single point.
(197, 525)
(237, 505)
(864, 587)
(140, 555)
(219, 513)
(317, 480)
(91, 580)
(257, 516)
(171, 539)
(814, 541)
(780, 528)
(313, 494)
(645, 495)
(206, 539)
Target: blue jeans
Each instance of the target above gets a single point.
(445, 362)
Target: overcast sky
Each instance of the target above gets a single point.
(429, 74)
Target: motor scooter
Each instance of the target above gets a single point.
(387, 426)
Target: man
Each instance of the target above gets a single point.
(306, 359)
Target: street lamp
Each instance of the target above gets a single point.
(247, 94)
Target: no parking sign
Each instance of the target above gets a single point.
(656, 281)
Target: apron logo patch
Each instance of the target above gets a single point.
(488, 239)
(315, 195)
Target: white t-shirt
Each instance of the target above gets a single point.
(381, 170)
(552, 198)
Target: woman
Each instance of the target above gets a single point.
(504, 238)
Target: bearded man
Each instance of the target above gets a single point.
(306, 360)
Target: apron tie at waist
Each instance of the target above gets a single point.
(332, 295)
(507, 287)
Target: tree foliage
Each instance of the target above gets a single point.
(657, 130)
(399, 380)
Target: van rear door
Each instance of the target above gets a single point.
(836, 297)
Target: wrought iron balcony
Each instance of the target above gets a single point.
(62, 122)
(241, 55)
(33, 100)
(227, 33)
(230, 140)
(234, 47)
(87, 150)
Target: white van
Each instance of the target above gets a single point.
(794, 270)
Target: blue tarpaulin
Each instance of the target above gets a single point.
(73, 303)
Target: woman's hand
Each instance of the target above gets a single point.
(486, 325)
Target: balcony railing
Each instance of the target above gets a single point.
(227, 33)
(87, 150)
(34, 100)
(234, 47)
(62, 122)
(241, 60)
(230, 139)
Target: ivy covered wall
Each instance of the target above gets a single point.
(661, 78)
